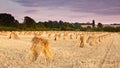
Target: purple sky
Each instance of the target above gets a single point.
(104, 11)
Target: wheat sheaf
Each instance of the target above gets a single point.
(13, 35)
(40, 45)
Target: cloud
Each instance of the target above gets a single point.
(39, 3)
(108, 7)
(31, 11)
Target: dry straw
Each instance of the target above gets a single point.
(13, 35)
(40, 45)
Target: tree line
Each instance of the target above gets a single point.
(8, 22)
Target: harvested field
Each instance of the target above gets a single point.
(99, 49)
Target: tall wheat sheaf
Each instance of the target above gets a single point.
(40, 45)
(82, 41)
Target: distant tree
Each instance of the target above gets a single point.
(93, 23)
(50, 24)
(46, 24)
(55, 24)
(40, 25)
(29, 22)
(7, 19)
(117, 29)
(61, 22)
(61, 25)
(22, 26)
(77, 26)
(109, 29)
(88, 28)
(16, 23)
(100, 25)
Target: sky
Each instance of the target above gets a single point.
(83, 11)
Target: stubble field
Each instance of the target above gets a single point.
(98, 50)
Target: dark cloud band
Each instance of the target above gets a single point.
(108, 7)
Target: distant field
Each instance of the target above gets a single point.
(98, 49)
